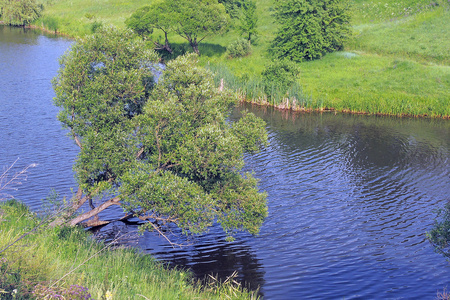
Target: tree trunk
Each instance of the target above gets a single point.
(167, 45)
(95, 211)
(194, 45)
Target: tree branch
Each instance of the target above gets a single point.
(93, 212)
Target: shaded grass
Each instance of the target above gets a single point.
(60, 257)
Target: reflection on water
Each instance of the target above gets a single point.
(350, 197)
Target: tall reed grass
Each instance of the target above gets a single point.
(257, 90)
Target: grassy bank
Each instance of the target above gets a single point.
(68, 262)
(397, 63)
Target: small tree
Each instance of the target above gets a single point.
(281, 74)
(167, 155)
(19, 12)
(197, 19)
(147, 18)
(309, 29)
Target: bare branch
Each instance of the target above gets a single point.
(6, 184)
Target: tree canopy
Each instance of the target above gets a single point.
(309, 29)
(165, 153)
(156, 16)
(193, 20)
(248, 19)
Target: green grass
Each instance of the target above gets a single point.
(402, 63)
(60, 257)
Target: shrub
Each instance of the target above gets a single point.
(239, 48)
(281, 74)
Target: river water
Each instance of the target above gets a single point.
(350, 197)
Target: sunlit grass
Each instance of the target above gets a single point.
(402, 67)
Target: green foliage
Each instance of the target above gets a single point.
(168, 152)
(309, 29)
(19, 12)
(193, 20)
(158, 16)
(248, 19)
(140, 21)
(239, 48)
(439, 235)
(282, 74)
(232, 7)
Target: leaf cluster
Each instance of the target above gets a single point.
(282, 73)
(239, 48)
(309, 29)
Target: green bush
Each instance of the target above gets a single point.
(239, 48)
(439, 235)
(309, 29)
(279, 76)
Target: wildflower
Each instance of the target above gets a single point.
(108, 295)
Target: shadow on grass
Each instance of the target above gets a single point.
(206, 49)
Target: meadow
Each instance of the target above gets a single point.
(396, 63)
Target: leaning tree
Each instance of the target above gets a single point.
(167, 153)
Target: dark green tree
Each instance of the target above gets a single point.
(166, 154)
(232, 7)
(309, 29)
(19, 12)
(248, 19)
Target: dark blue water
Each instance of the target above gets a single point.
(29, 130)
(350, 197)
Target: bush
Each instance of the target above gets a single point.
(239, 48)
(281, 75)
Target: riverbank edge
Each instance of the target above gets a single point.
(38, 260)
(286, 106)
